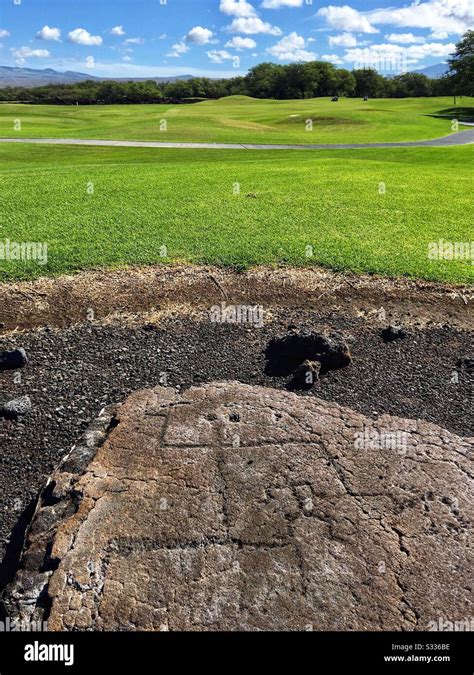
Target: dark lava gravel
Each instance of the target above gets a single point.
(73, 373)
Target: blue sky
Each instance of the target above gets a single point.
(221, 38)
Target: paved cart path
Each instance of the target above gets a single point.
(465, 137)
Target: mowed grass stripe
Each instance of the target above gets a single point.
(144, 199)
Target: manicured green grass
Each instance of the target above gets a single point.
(238, 120)
(144, 199)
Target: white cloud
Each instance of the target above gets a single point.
(134, 41)
(438, 35)
(332, 58)
(277, 4)
(240, 43)
(4, 33)
(434, 49)
(199, 35)
(178, 50)
(239, 8)
(395, 57)
(117, 30)
(50, 34)
(452, 16)
(404, 38)
(344, 40)
(253, 26)
(447, 16)
(26, 52)
(220, 55)
(127, 58)
(80, 36)
(346, 18)
(291, 48)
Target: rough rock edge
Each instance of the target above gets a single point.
(56, 502)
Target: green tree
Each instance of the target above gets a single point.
(411, 84)
(264, 80)
(309, 79)
(368, 83)
(179, 89)
(442, 86)
(345, 82)
(328, 79)
(461, 65)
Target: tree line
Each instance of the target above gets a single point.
(266, 80)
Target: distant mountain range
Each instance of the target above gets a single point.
(436, 71)
(29, 77)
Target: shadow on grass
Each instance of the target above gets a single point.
(461, 113)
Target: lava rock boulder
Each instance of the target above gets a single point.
(285, 355)
(393, 333)
(13, 359)
(305, 376)
(16, 408)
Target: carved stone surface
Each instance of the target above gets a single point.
(232, 507)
